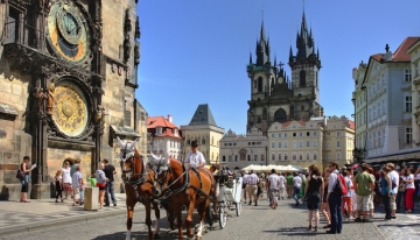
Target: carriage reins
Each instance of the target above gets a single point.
(167, 192)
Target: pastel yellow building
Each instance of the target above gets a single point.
(204, 130)
(338, 141)
(296, 143)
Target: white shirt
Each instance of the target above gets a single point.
(244, 178)
(349, 184)
(332, 181)
(66, 176)
(274, 181)
(297, 181)
(283, 181)
(395, 178)
(253, 179)
(195, 159)
(410, 185)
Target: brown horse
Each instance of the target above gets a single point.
(185, 187)
(139, 184)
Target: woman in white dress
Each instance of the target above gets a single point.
(66, 180)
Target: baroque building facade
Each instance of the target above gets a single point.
(164, 137)
(68, 81)
(238, 151)
(275, 97)
(387, 83)
(203, 129)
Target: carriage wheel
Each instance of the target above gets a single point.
(209, 215)
(238, 208)
(222, 217)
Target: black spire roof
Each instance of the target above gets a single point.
(263, 48)
(305, 45)
(203, 116)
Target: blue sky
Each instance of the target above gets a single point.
(196, 51)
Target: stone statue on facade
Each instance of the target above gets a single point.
(50, 103)
(100, 115)
(40, 96)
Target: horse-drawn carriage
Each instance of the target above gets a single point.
(169, 180)
(229, 191)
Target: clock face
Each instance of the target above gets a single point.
(68, 32)
(70, 112)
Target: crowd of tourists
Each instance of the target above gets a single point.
(70, 180)
(351, 192)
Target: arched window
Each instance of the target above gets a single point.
(203, 141)
(285, 156)
(300, 156)
(302, 78)
(280, 116)
(279, 156)
(315, 155)
(260, 84)
(259, 120)
(294, 156)
(307, 156)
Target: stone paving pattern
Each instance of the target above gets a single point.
(286, 222)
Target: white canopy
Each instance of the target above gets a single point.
(253, 167)
(264, 168)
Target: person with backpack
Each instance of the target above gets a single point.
(364, 184)
(347, 201)
(334, 198)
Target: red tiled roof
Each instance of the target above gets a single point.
(286, 124)
(154, 122)
(168, 133)
(351, 124)
(377, 56)
(401, 54)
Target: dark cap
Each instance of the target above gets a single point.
(194, 143)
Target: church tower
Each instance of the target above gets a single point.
(270, 89)
(305, 66)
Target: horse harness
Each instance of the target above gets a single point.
(135, 183)
(168, 191)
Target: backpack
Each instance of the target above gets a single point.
(341, 186)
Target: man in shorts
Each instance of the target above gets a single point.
(364, 185)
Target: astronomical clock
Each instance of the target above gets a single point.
(68, 32)
(70, 104)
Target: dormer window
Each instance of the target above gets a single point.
(158, 130)
(176, 132)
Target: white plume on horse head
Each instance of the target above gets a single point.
(154, 157)
(127, 149)
(133, 144)
(121, 143)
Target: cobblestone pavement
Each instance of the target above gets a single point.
(254, 223)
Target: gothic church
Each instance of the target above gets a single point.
(274, 96)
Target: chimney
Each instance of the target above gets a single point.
(170, 118)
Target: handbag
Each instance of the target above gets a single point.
(20, 175)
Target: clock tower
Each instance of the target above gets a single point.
(68, 80)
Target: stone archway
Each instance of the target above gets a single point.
(280, 116)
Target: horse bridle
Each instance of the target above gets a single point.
(136, 183)
(167, 191)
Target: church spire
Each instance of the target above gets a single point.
(305, 44)
(250, 58)
(291, 55)
(263, 48)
